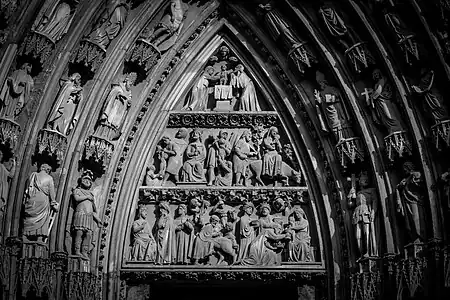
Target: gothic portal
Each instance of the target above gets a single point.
(225, 149)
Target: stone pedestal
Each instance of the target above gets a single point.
(9, 133)
(89, 54)
(397, 145)
(144, 54)
(38, 45)
(441, 135)
(359, 57)
(223, 105)
(350, 151)
(302, 57)
(99, 150)
(52, 142)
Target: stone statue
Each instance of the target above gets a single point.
(174, 162)
(151, 179)
(220, 149)
(246, 231)
(224, 172)
(164, 151)
(184, 236)
(56, 21)
(248, 100)
(266, 248)
(365, 202)
(410, 203)
(299, 246)
(384, 110)
(164, 233)
(192, 170)
(331, 102)
(116, 106)
(110, 23)
(198, 98)
(241, 153)
(271, 148)
(144, 245)
(169, 27)
(6, 174)
(63, 117)
(433, 98)
(16, 92)
(85, 219)
(40, 200)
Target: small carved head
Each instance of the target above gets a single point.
(223, 135)
(299, 213)
(76, 78)
(130, 79)
(182, 133)
(209, 70)
(320, 78)
(196, 134)
(363, 179)
(239, 68)
(248, 208)
(224, 51)
(223, 67)
(214, 220)
(165, 140)
(264, 209)
(27, 67)
(46, 168)
(377, 75)
(143, 211)
(278, 205)
(273, 132)
(246, 135)
(87, 178)
(181, 209)
(164, 208)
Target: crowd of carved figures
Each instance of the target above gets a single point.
(245, 158)
(201, 234)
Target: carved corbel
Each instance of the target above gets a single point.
(89, 54)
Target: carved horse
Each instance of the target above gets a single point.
(224, 245)
(287, 172)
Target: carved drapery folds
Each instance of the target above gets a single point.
(155, 41)
(92, 49)
(99, 147)
(356, 50)
(227, 226)
(49, 29)
(298, 51)
(333, 116)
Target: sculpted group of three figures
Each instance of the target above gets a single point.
(250, 159)
(224, 236)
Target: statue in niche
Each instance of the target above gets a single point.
(246, 231)
(110, 23)
(299, 247)
(405, 38)
(271, 148)
(380, 100)
(198, 98)
(164, 151)
(432, 96)
(63, 117)
(16, 91)
(248, 100)
(266, 248)
(337, 27)
(6, 174)
(242, 151)
(410, 204)
(116, 106)
(365, 202)
(85, 219)
(331, 102)
(175, 162)
(39, 202)
(169, 27)
(192, 170)
(282, 33)
(144, 245)
(56, 20)
(165, 235)
(220, 149)
(184, 236)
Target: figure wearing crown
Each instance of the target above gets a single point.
(116, 106)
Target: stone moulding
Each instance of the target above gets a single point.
(294, 195)
(221, 120)
(316, 278)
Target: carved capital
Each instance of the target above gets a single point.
(37, 45)
(9, 133)
(89, 54)
(52, 142)
(397, 145)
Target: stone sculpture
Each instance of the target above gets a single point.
(365, 201)
(16, 92)
(241, 153)
(164, 235)
(110, 23)
(198, 98)
(85, 219)
(40, 201)
(218, 152)
(184, 236)
(246, 231)
(271, 149)
(56, 21)
(175, 162)
(144, 245)
(64, 115)
(299, 246)
(164, 151)
(248, 100)
(6, 174)
(331, 103)
(169, 27)
(410, 204)
(192, 170)
(116, 106)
